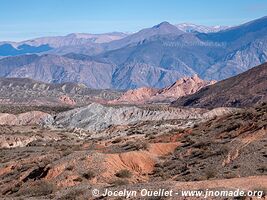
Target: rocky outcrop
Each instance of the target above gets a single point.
(137, 96)
(96, 117)
(67, 100)
(182, 87)
(185, 86)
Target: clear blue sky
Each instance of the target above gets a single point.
(23, 19)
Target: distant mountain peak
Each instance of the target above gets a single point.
(163, 24)
(89, 35)
(165, 28)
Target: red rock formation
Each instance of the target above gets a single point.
(182, 87)
(185, 86)
(140, 95)
(67, 100)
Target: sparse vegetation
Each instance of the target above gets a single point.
(37, 188)
(202, 156)
(119, 182)
(88, 175)
(124, 173)
(135, 146)
(73, 194)
(230, 175)
(78, 179)
(261, 192)
(210, 173)
(70, 168)
(117, 140)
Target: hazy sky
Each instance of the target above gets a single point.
(23, 19)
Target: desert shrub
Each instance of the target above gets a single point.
(73, 194)
(76, 148)
(124, 173)
(210, 173)
(236, 166)
(158, 165)
(162, 175)
(196, 125)
(83, 158)
(78, 179)
(202, 144)
(222, 151)
(119, 182)
(261, 192)
(262, 169)
(199, 153)
(88, 175)
(69, 168)
(150, 136)
(230, 175)
(10, 190)
(232, 127)
(142, 146)
(117, 140)
(138, 145)
(38, 188)
(240, 198)
(66, 152)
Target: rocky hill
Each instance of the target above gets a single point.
(28, 92)
(96, 117)
(227, 147)
(136, 96)
(246, 89)
(54, 164)
(58, 69)
(182, 87)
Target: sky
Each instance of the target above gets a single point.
(25, 19)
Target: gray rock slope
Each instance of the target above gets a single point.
(96, 117)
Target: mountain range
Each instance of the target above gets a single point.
(153, 57)
(45, 44)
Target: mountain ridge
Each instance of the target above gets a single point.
(181, 87)
(189, 27)
(246, 89)
(153, 57)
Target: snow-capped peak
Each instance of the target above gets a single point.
(189, 27)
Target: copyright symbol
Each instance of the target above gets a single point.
(95, 192)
